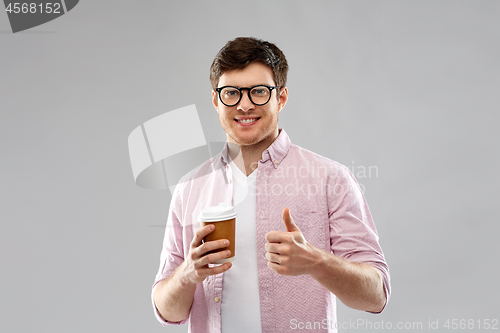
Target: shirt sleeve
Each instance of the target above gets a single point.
(172, 254)
(353, 234)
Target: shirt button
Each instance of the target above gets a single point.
(217, 299)
(276, 161)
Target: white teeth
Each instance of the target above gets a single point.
(246, 121)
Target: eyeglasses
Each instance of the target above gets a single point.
(258, 95)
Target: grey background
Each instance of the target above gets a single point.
(410, 87)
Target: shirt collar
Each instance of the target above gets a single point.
(275, 153)
(278, 149)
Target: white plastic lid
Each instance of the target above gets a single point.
(222, 212)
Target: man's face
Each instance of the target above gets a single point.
(261, 122)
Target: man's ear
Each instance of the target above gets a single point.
(215, 101)
(283, 98)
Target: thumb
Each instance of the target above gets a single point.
(289, 223)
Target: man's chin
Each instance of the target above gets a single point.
(250, 140)
(246, 142)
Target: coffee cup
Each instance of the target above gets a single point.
(224, 219)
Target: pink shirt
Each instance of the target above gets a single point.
(327, 206)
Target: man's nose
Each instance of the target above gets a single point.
(245, 104)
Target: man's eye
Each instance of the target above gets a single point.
(231, 93)
(259, 91)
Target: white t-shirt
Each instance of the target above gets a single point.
(240, 307)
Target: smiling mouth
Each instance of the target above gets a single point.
(247, 121)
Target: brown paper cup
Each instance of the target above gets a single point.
(223, 217)
(223, 230)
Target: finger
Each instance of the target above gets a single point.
(212, 257)
(212, 245)
(200, 234)
(220, 269)
(276, 236)
(276, 268)
(273, 257)
(202, 273)
(272, 247)
(288, 220)
(271, 266)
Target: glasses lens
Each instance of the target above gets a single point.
(230, 96)
(260, 95)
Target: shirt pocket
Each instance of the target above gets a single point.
(312, 227)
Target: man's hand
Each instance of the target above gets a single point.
(358, 286)
(288, 252)
(196, 268)
(174, 296)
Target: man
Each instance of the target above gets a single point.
(287, 272)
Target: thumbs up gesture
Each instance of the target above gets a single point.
(288, 253)
(288, 220)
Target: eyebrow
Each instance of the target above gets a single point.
(254, 85)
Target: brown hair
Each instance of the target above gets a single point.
(242, 51)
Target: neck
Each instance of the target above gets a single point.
(247, 157)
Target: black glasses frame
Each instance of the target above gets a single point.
(248, 93)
